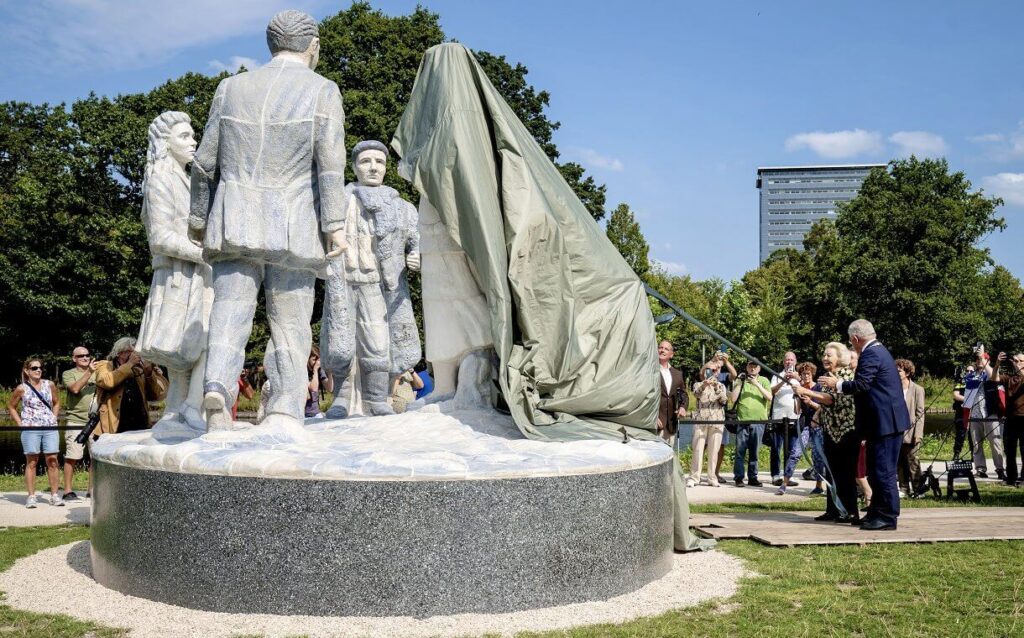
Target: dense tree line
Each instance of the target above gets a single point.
(75, 265)
(905, 253)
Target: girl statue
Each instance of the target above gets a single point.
(174, 326)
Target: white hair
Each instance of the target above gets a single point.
(862, 328)
(121, 345)
(841, 351)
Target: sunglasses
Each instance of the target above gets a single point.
(82, 356)
(33, 368)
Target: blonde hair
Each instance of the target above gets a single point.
(842, 351)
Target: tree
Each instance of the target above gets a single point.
(625, 234)
(911, 259)
(75, 266)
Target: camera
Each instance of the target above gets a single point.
(90, 425)
(742, 375)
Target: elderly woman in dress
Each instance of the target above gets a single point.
(173, 332)
(842, 446)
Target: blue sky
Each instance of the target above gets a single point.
(673, 105)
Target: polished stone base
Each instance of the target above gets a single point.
(379, 547)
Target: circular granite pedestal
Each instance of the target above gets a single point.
(371, 544)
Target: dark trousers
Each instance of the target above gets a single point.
(781, 449)
(883, 455)
(910, 466)
(1013, 439)
(842, 461)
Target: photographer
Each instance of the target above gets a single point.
(784, 406)
(1013, 428)
(127, 385)
(711, 400)
(751, 395)
(976, 413)
(80, 383)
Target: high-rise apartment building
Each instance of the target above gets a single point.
(794, 197)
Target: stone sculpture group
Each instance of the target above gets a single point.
(268, 206)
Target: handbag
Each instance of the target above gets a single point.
(731, 414)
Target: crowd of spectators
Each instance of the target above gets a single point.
(799, 419)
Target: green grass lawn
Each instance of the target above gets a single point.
(945, 589)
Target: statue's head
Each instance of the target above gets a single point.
(295, 32)
(170, 135)
(370, 162)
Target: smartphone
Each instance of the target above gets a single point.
(708, 373)
(723, 348)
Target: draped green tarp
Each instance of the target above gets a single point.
(570, 320)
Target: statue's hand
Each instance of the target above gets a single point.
(195, 235)
(336, 242)
(412, 260)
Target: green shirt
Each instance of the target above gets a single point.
(751, 404)
(76, 409)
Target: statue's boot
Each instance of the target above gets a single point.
(339, 407)
(218, 418)
(375, 394)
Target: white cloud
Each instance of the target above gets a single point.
(593, 159)
(1009, 186)
(671, 267)
(1002, 147)
(987, 138)
(919, 143)
(235, 63)
(119, 34)
(837, 144)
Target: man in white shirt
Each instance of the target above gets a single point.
(784, 406)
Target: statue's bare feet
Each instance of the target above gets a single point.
(217, 416)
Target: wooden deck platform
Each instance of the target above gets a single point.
(926, 525)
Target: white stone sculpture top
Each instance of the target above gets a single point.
(422, 445)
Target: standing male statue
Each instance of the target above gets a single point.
(367, 309)
(267, 197)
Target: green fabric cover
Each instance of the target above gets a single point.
(569, 318)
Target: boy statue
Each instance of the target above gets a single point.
(368, 314)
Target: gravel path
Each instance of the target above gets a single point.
(13, 512)
(695, 578)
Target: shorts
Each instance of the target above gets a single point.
(35, 441)
(73, 451)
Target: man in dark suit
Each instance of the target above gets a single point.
(881, 420)
(673, 393)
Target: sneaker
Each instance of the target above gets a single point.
(690, 483)
(1001, 475)
(56, 500)
(808, 474)
(31, 501)
(754, 483)
(902, 494)
(776, 481)
(716, 484)
(791, 483)
(71, 497)
(981, 474)
(781, 491)
(816, 491)
(739, 483)
(719, 478)
(88, 495)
